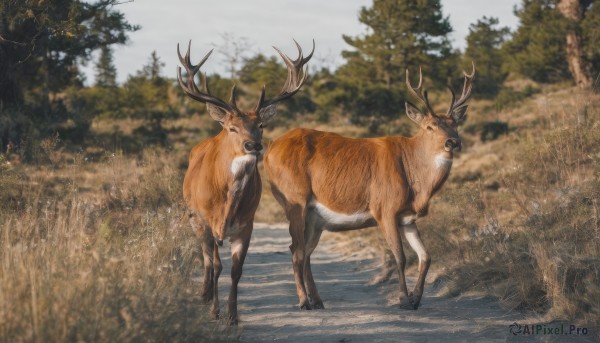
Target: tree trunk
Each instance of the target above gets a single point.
(578, 66)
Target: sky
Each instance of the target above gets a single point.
(263, 24)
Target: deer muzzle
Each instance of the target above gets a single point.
(251, 147)
(453, 144)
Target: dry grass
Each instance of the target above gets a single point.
(93, 251)
(519, 216)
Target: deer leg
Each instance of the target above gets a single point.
(206, 242)
(313, 235)
(218, 267)
(411, 233)
(392, 236)
(239, 248)
(296, 216)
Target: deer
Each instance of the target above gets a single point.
(222, 186)
(325, 181)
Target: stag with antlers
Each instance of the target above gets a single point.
(328, 182)
(222, 186)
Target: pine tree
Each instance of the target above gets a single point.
(537, 48)
(152, 70)
(42, 44)
(39, 39)
(591, 38)
(106, 72)
(484, 43)
(401, 34)
(147, 95)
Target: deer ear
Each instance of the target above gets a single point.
(217, 113)
(459, 114)
(267, 114)
(414, 113)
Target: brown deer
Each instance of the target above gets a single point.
(222, 186)
(328, 182)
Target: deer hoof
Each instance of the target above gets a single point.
(232, 321)
(318, 305)
(215, 314)
(406, 304)
(305, 306)
(414, 299)
(206, 298)
(207, 294)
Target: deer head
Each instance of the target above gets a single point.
(243, 129)
(441, 129)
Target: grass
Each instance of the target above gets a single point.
(518, 218)
(520, 214)
(92, 247)
(94, 251)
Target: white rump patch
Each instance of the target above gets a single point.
(240, 164)
(341, 219)
(441, 162)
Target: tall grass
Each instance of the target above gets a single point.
(519, 216)
(93, 251)
(532, 240)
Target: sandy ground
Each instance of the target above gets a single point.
(354, 310)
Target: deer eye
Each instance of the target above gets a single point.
(429, 127)
(233, 129)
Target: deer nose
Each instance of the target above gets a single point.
(453, 144)
(252, 147)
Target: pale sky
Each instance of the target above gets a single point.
(265, 23)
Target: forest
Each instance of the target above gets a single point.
(91, 245)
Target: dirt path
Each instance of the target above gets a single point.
(354, 311)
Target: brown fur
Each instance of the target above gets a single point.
(222, 186)
(390, 178)
(223, 207)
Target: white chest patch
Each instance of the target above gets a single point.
(441, 162)
(241, 164)
(341, 219)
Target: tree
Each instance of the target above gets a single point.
(591, 38)
(52, 38)
(151, 71)
(262, 70)
(537, 48)
(573, 11)
(234, 50)
(147, 97)
(401, 34)
(484, 43)
(41, 45)
(106, 72)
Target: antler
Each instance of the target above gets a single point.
(190, 88)
(296, 76)
(417, 92)
(458, 108)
